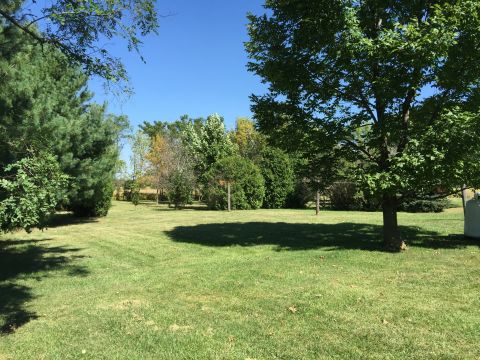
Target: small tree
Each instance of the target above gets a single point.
(135, 193)
(180, 185)
(159, 160)
(140, 145)
(247, 184)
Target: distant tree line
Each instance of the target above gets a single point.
(262, 169)
(199, 156)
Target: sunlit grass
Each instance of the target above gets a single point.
(154, 283)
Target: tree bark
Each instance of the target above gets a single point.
(391, 233)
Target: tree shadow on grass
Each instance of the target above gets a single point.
(67, 218)
(288, 236)
(27, 259)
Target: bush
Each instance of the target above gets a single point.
(94, 201)
(29, 192)
(247, 184)
(180, 185)
(425, 206)
(277, 172)
(344, 195)
(301, 195)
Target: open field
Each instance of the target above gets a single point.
(153, 283)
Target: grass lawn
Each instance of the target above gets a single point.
(153, 283)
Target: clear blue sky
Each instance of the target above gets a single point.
(196, 65)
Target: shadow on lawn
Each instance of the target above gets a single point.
(21, 259)
(288, 236)
(66, 219)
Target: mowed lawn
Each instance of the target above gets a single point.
(154, 283)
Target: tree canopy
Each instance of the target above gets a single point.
(79, 28)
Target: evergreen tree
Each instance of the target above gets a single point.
(277, 170)
(44, 105)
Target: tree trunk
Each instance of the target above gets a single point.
(391, 233)
(318, 203)
(464, 198)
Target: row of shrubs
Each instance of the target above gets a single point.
(345, 195)
(273, 186)
(267, 184)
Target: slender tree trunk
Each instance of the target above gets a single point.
(391, 233)
(228, 197)
(318, 203)
(464, 198)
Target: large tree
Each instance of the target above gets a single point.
(45, 107)
(79, 28)
(393, 85)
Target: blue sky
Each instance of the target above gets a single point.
(196, 65)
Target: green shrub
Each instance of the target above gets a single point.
(180, 185)
(425, 206)
(278, 174)
(344, 195)
(301, 195)
(247, 184)
(93, 202)
(135, 195)
(29, 190)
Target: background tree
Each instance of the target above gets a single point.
(393, 85)
(175, 129)
(140, 145)
(208, 144)
(158, 159)
(245, 178)
(79, 28)
(249, 141)
(277, 172)
(121, 175)
(180, 180)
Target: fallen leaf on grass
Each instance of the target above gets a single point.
(293, 309)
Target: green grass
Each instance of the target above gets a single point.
(153, 283)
